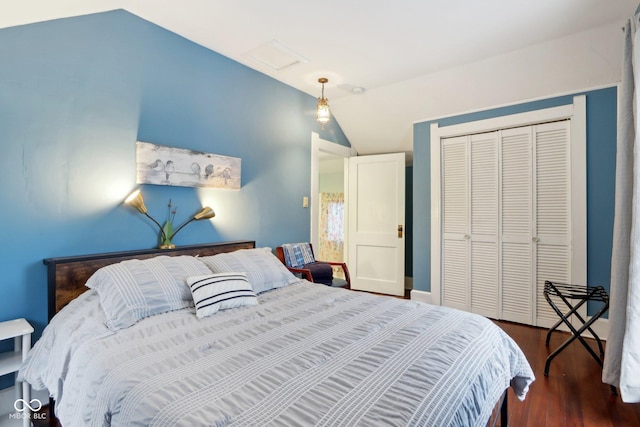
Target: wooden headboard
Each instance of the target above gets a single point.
(66, 276)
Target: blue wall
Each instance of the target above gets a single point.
(601, 162)
(77, 93)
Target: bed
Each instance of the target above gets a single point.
(285, 352)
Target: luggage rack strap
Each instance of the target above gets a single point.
(593, 293)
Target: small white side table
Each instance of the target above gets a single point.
(10, 361)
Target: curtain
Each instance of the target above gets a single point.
(622, 359)
(331, 228)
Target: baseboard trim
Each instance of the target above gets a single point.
(600, 327)
(421, 296)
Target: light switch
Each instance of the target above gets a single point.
(305, 202)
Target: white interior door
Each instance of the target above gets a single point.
(376, 223)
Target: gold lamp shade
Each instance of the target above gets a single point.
(204, 213)
(136, 200)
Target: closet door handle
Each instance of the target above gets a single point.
(535, 240)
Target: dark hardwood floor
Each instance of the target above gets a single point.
(573, 394)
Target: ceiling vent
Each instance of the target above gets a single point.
(276, 56)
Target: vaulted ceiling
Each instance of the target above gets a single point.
(390, 64)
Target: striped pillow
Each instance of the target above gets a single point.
(214, 292)
(132, 290)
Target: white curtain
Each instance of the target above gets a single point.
(622, 358)
(331, 228)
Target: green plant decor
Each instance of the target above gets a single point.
(167, 228)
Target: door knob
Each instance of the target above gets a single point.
(400, 231)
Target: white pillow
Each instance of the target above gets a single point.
(264, 270)
(132, 290)
(214, 292)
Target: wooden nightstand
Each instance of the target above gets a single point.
(10, 361)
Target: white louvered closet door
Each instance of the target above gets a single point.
(517, 220)
(536, 240)
(483, 184)
(506, 221)
(552, 208)
(455, 224)
(470, 224)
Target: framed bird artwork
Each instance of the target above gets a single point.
(162, 165)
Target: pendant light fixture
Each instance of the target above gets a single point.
(323, 114)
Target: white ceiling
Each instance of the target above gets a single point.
(415, 59)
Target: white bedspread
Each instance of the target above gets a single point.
(306, 355)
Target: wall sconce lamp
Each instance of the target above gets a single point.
(136, 200)
(323, 114)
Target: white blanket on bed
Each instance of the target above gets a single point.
(306, 355)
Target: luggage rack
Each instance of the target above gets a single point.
(569, 294)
